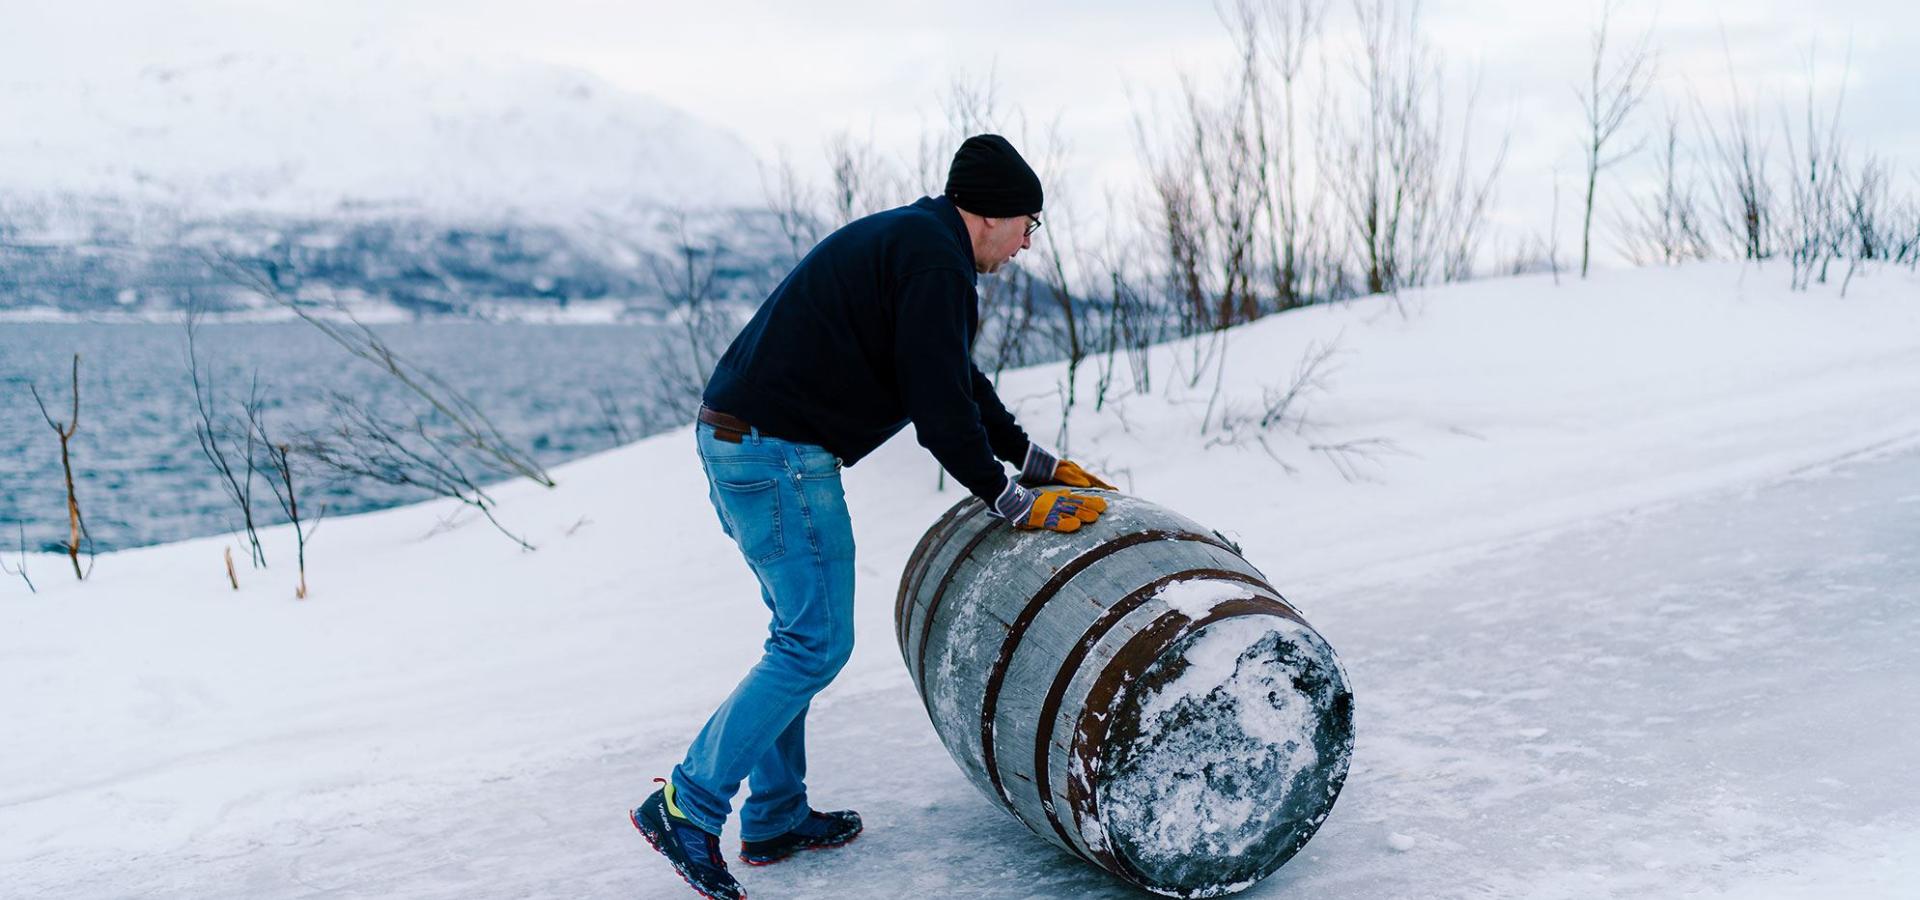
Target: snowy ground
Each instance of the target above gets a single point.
(1632, 613)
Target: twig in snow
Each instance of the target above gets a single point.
(22, 571)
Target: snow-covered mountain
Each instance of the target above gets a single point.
(125, 163)
(367, 126)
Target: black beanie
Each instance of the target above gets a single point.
(988, 178)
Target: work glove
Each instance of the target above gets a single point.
(1070, 474)
(1042, 467)
(1054, 510)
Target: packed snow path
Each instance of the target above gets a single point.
(1710, 699)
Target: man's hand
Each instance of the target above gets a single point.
(1060, 511)
(1042, 467)
(1070, 474)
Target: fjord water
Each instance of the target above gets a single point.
(140, 474)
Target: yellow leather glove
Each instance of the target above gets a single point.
(1070, 474)
(1061, 511)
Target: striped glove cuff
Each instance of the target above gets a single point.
(1039, 466)
(1014, 501)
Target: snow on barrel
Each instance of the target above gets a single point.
(1134, 692)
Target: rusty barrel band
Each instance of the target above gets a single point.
(1057, 692)
(1128, 664)
(915, 662)
(997, 676)
(919, 663)
(916, 568)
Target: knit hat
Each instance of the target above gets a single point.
(988, 178)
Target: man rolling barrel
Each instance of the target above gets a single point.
(871, 331)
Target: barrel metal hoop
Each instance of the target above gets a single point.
(997, 676)
(1126, 666)
(918, 665)
(916, 566)
(1057, 692)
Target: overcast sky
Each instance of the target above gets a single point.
(786, 75)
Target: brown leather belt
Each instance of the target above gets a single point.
(725, 427)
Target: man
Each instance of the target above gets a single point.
(871, 331)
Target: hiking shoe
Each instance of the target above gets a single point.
(695, 854)
(819, 831)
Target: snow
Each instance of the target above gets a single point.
(1195, 597)
(1629, 613)
(1214, 779)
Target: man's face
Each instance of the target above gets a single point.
(1001, 240)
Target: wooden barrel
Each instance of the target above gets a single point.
(1134, 692)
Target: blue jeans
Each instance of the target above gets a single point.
(783, 504)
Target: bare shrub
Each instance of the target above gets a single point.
(1613, 90)
(281, 464)
(215, 434)
(701, 325)
(1284, 408)
(1282, 33)
(77, 535)
(22, 570)
(1743, 196)
(1667, 225)
(1411, 206)
(362, 441)
(1812, 231)
(795, 207)
(469, 428)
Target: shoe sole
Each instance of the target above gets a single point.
(779, 859)
(654, 842)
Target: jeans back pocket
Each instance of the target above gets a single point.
(752, 508)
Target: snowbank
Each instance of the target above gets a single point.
(161, 726)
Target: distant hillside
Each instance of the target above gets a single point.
(106, 258)
(389, 176)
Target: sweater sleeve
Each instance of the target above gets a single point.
(1008, 440)
(937, 380)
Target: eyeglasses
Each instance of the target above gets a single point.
(1033, 225)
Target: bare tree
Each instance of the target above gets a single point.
(1613, 90)
(1290, 27)
(684, 357)
(861, 180)
(213, 435)
(1409, 212)
(1379, 162)
(1128, 325)
(795, 208)
(77, 535)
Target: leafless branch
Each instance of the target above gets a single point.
(476, 432)
(1613, 90)
(77, 535)
(213, 435)
(22, 571)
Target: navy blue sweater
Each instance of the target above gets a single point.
(872, 330)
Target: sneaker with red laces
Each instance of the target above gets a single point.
(819, 831)
(694, 853)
